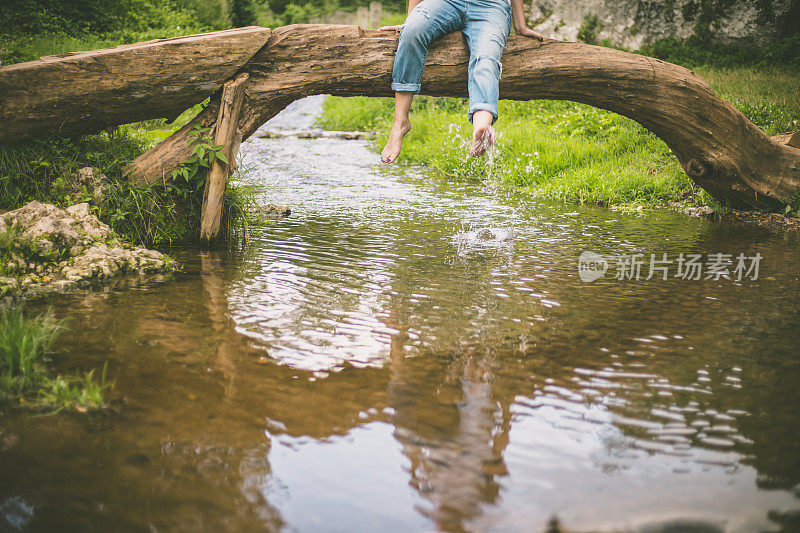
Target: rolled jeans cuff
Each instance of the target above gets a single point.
(483, 107)
(406, 87)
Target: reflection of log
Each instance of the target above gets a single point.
(226, 135)
(717, 146)
(216, 301)
(84, 92)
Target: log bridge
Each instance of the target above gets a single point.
(252, 73)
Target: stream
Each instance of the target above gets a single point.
(408, 353)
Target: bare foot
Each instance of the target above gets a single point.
(482, 139)
(392, 149)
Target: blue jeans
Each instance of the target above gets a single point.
(485, 24)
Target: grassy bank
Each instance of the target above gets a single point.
(159, 214)
(25, 379)
(571, 151)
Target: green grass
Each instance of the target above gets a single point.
(769, 96)
(700, 51)
(80, 392)
(559, 149)
(357, 113)
(571, 151)
(25, 342)
(393, 19)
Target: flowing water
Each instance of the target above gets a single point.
(404, 353)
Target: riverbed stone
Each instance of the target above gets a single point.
(703, 211)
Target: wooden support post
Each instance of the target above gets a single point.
(226, 135)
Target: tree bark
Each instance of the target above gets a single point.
(85, 92)
(716, 145)
(225, 135)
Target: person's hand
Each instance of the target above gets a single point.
(527, 32)
(390, 28)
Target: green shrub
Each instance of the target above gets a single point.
(588, 31)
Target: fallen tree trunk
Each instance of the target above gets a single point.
(85, 92)
(717, 146)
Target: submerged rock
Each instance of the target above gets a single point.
(54, 250)
(274, 211)
(485, 236)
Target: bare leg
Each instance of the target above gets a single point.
(482, 133)
(400, 126)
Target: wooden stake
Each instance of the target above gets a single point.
(226, 135)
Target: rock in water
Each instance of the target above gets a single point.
(485, 237)
(53, 250)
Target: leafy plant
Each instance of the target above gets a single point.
(204, 153)
(792, 208)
